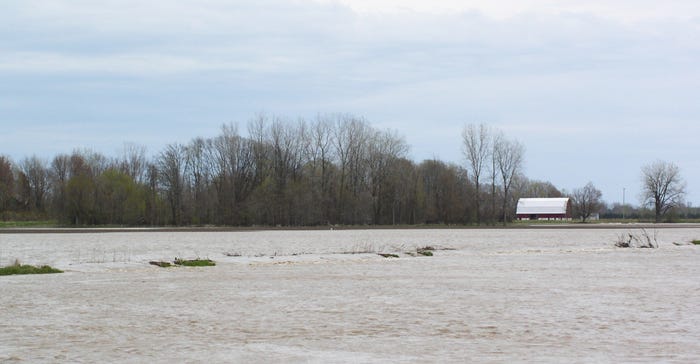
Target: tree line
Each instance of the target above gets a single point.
(334, 169)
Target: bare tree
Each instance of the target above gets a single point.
(662, 187)
(152, 201)
(535, 188)
(383, 149)
(171, 173)
(508, 155)
(199, 175)
(319, 153)
(587, 200)
(350, 140)
(59, 173)
(133, 161)
(496, 141)
(403, 196)
(285, 140)
(261, 153)
(37, 175)
(234, 170)
(476, 143)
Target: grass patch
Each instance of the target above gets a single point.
(695, 242)
(27, 269)
(388, 255)
(194, 262)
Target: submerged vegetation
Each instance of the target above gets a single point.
(426, 253)
(18, 268)
(640, 239)
(184, 262)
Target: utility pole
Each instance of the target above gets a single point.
(624, 207)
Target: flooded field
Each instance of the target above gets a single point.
(491, 295)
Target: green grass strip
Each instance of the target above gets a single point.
(195, 262)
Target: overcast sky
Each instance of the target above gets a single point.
(593, 89)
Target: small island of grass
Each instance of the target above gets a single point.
(17, 268)
(194, 262)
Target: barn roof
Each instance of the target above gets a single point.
(534, 206)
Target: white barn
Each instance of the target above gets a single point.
(544, 209)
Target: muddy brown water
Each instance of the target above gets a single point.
(522, 295)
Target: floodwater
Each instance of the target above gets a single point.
(502, 295)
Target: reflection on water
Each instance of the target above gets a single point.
(297, 296)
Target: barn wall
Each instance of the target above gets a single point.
(566, 216)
